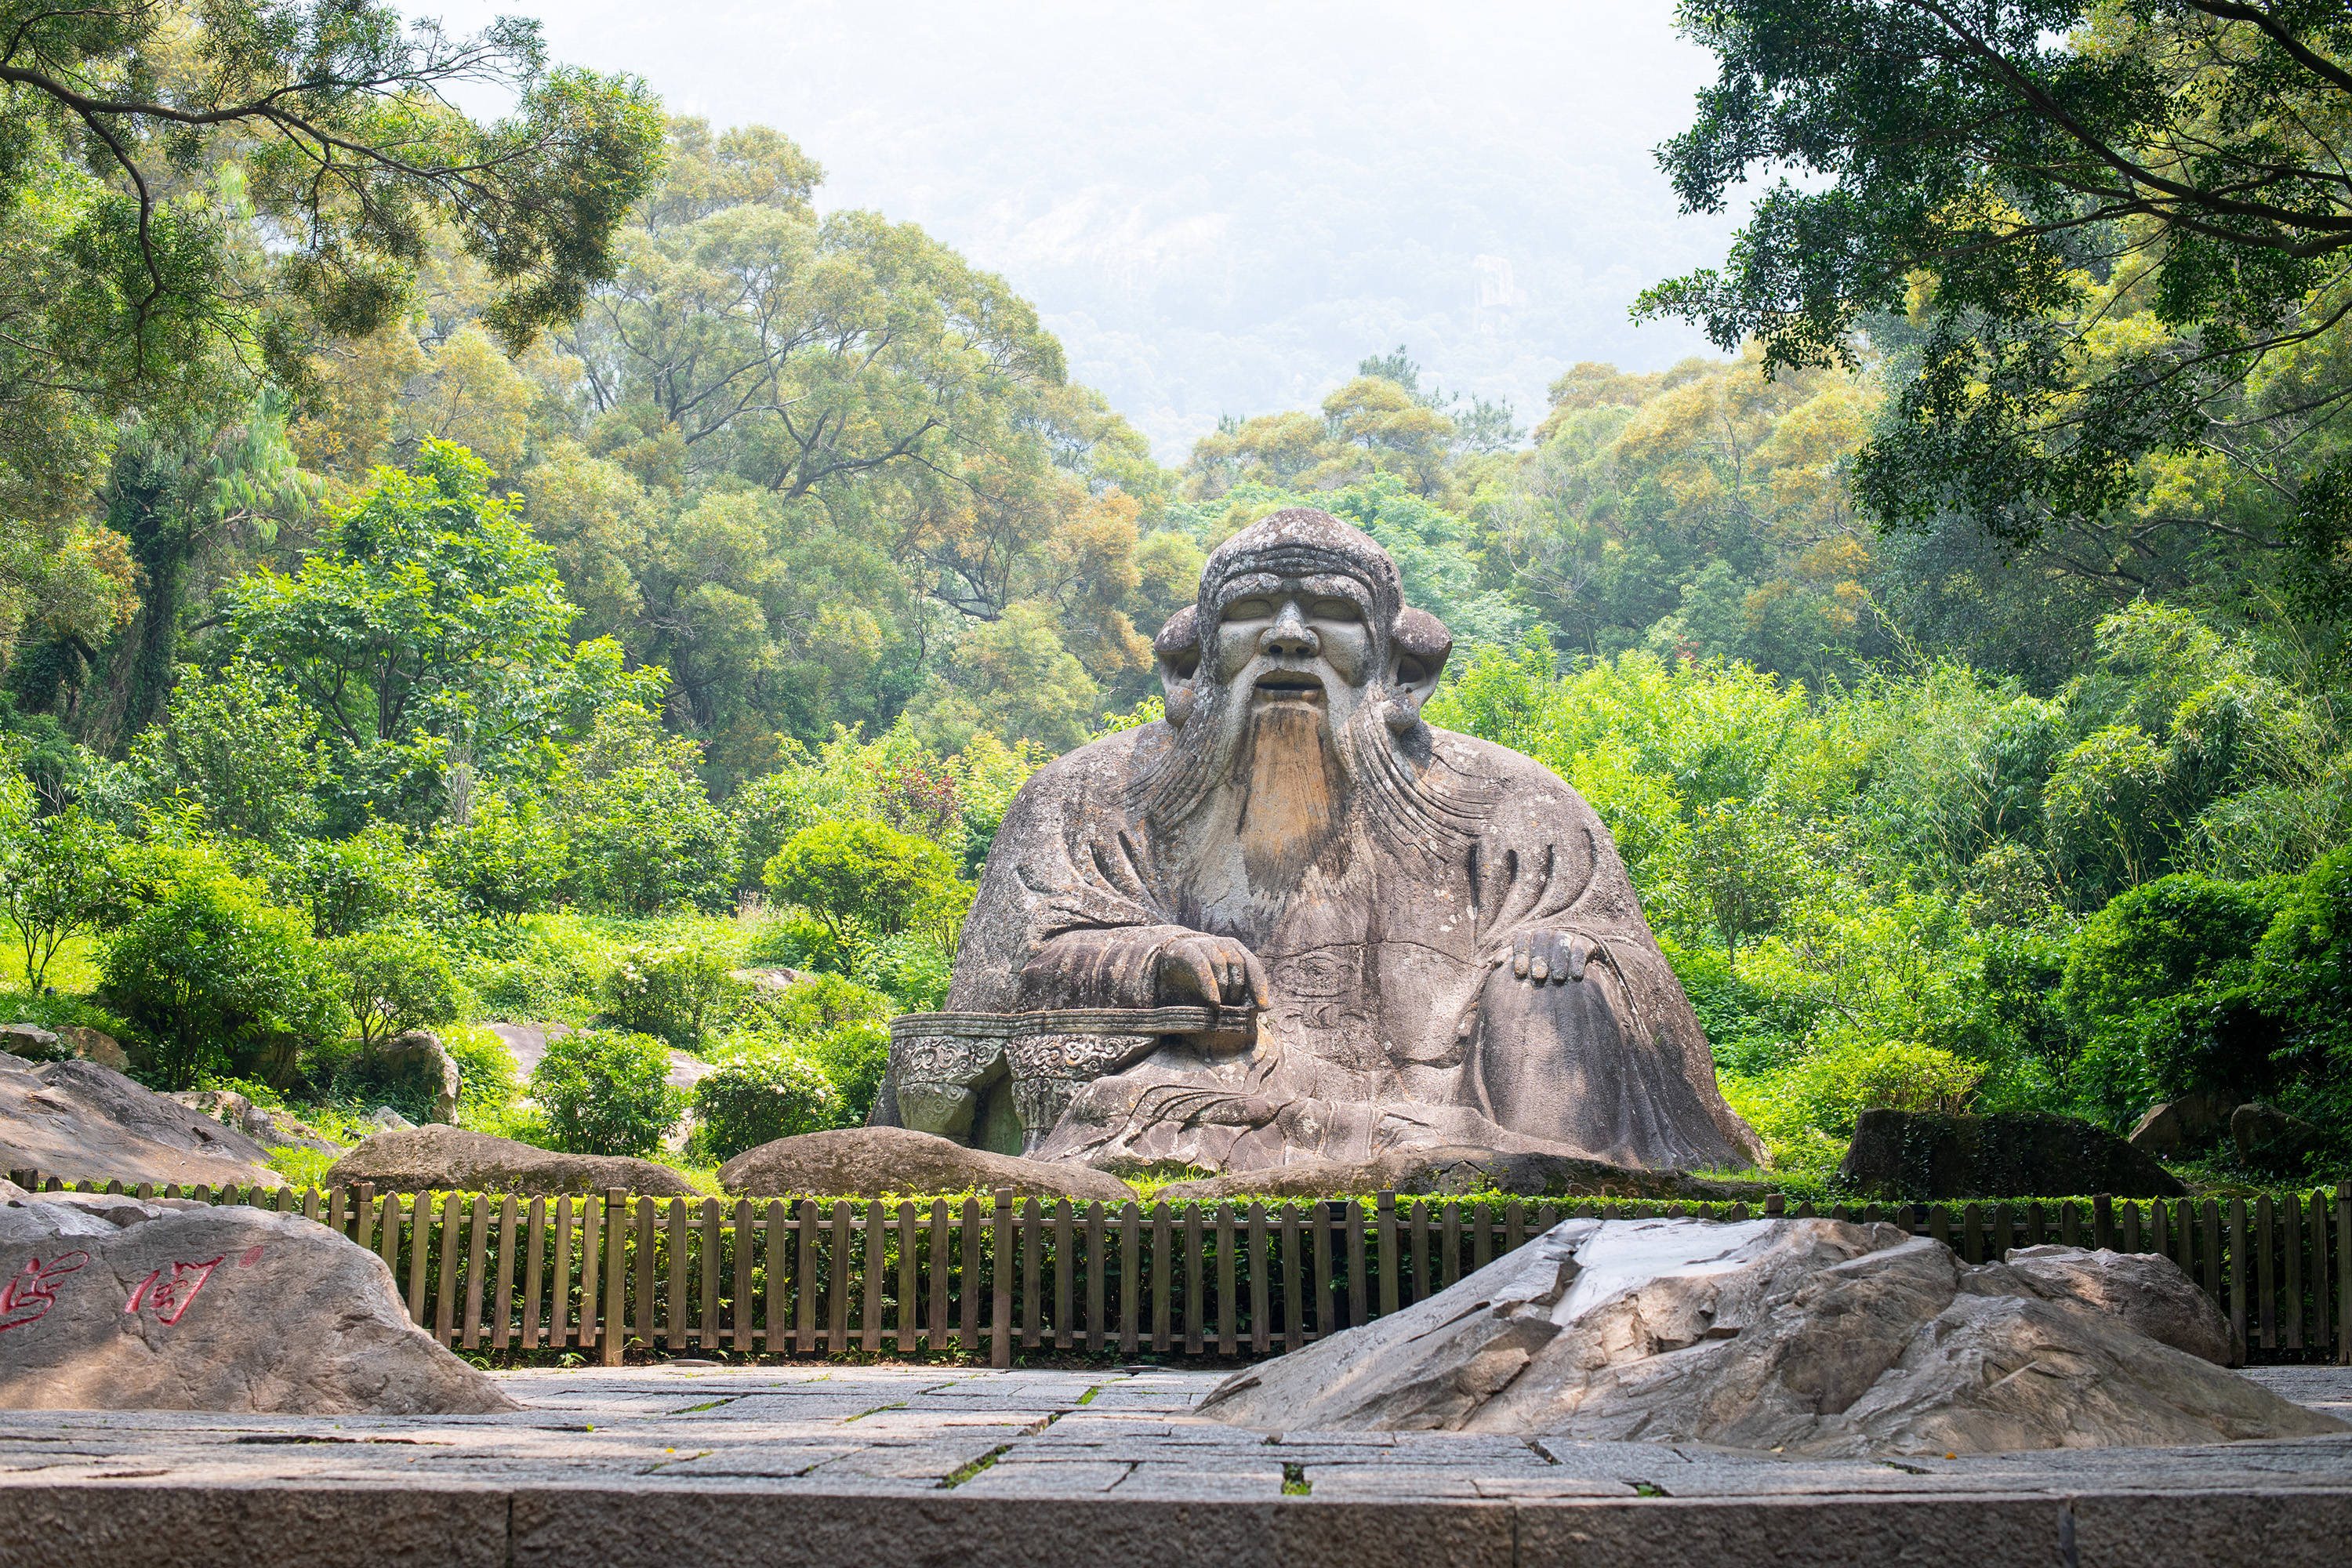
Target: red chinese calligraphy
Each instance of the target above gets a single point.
(34, 1289)
(172, 1298)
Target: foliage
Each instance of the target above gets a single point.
(603, 1092)
(394, 981)
(678, 992)
(758, 1094)
(504, 862)
(862, 878)
(214, 975)
(854, 1058)
(59, 874)
(425, 637)
(643, 833)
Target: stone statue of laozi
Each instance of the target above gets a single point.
(1409, 938)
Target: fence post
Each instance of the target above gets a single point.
(616, 1290)
(2344, 1273)
(999, 1317)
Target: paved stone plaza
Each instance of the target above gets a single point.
(806, 1465)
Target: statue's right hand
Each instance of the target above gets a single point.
(1213, 970)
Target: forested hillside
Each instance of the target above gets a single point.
(534, 600)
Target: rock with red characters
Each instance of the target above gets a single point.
(108, 1303)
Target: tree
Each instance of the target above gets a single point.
(2094, 235)
(238, 745)
(211, 972)
(394, 981)
(758, 1094)
(642, 832)
(506, 862)
(424, 635)
(344, 146)
(57, 875)
(859, 877)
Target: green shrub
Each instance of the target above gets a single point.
(486, 1068)
(504, 863)
(758, 1094)
(816, 1004)
(603, 1092)
(853, 1056)
(394, 980)
(861, 877)
(680, 992)
(214, 976)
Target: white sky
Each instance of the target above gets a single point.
(1220, 208)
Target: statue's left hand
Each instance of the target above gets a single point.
(1557, 956)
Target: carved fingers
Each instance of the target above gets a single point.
(1213, 970)
(1554, 957)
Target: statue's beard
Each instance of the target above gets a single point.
(1293, 792)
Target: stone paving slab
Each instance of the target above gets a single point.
(606, 1464)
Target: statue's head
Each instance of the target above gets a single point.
(1300, 613)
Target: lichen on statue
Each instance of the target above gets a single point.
(1438, 942)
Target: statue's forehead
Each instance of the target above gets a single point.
(1318, 585)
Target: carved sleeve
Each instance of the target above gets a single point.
(1117, 968)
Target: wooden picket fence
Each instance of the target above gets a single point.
(799, 1276)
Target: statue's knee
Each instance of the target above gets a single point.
(942, 1109)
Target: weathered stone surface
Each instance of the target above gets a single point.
(270, 1128)
(95, 1045)
(34, 1043)
(2180, 1126)
(418, 1058)
(2147, 1291)
(1435, 936)
(442, 1158)
(85, 1122)
(386, 1117)
(868, 1162)
(113, 1304)
(1806, 1336)
(1919, 1154)
(2269, 1139)
(1445, 1173)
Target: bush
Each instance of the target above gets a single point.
(603, 1092)
(817, 1005)
(503, 864)
(214, 976)
(680, 992)
(393, 980)
(758, 1094)
(861, 877)
(853, 1056)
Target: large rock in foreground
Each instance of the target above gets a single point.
(112, 1304)
(1919, 1154)
(1809, 1336)
(870, 1161)
(440, 1158)
(89, 1124)
(1448, 1172)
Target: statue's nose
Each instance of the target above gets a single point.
(1290, 635)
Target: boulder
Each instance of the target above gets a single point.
(1927, 1156)
(1807, 1336)
(34, 1043)
(81, 1121)
(386, 1117)
(870, 1161)
(418, 1058)
(112, 1304)
(95, 1045)
(440, 1158)
(2268, 1139)
(1450, 1172)
(2149, 1292)
(270, 1128)
(2180, 1126)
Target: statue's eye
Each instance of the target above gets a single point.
(1337, 610)
(1250, 610)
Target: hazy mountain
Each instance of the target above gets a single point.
(1221, 207)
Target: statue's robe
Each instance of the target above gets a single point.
(1395, 1019)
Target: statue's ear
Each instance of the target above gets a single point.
(1419, 645)
(1178, 651)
